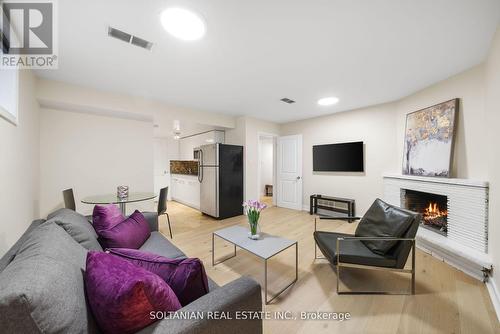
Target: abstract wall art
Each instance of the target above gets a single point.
(429, 139)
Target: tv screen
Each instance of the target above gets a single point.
(345, 157)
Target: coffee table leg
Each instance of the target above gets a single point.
(213, 252)
(265, 280)
(289, 285)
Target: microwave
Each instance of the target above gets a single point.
(196, 153)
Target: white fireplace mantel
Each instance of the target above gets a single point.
(466, 244)
(462, 182)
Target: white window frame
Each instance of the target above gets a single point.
(9, 104)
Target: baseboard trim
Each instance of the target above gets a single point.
(494, 296)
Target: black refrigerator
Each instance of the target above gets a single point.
(220, 174)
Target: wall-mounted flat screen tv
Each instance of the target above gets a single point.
(344, 157)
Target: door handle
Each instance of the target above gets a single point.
(298, 177)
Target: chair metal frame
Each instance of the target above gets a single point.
(340, 264)
(360, 266)
(163, 210)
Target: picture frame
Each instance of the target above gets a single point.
(429, 140)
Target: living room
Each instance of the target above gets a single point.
(124, 111)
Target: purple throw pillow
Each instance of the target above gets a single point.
(130, 233)
(122, 295)
(105, 217)
(187, 277)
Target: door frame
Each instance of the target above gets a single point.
(275, 146)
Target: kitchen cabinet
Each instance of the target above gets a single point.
(187, 144)
(186, 190)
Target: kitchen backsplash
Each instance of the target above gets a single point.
(187, 167)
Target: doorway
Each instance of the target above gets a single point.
(164, 150)
(267, 171)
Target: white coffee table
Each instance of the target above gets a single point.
(265, 247)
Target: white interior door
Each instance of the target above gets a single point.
(289, 172)
(161, 164)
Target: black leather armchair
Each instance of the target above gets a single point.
(382, 241)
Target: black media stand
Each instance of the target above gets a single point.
(330, 204)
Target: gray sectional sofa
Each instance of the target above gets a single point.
(42, 288)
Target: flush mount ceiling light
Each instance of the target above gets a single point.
(328, 101)
(183, 24)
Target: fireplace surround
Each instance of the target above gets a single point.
(463, 243)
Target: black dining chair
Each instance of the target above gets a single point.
(69, 199)
(69, 202)
(162, 207)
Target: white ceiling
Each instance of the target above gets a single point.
(257, 52)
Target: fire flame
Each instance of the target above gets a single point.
(433, 211)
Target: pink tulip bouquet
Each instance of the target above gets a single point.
(253, 209)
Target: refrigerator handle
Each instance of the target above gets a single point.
(200, 164)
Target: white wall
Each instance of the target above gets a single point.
(187, 144)
(247, 133)
(164, 150)
(93, 155)
(65, 96)
(470, 149)
(19, 166)
(382, 129)
(492, 101)
(375, 126)
(266, 145)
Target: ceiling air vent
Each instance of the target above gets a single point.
(287, 100)
(128, 38)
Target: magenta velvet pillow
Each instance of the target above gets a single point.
(122, 295)
(105, 217)
(186, 277)
(130, 233)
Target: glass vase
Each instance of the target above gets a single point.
(254, 229)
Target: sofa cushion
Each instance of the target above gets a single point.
(130, 233)
(11, 253)
(122, 295)
(42, 289)
(77, 226)
(351, 251)
(383, 220)
(187, 277)
(158, 244)
(105, 217)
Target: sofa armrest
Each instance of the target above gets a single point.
(152, 219)
(243, 294)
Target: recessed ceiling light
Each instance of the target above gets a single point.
(328, 101)
(183, 24)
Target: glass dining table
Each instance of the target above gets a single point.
(121, 202)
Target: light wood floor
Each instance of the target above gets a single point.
(446, 300)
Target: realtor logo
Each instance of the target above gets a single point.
(28, 34)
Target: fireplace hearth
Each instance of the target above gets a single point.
(433, 207)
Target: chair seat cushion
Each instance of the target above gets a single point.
(158, 244)
(122, 295)
(383, 220)
(351, 251)
(186, 277)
